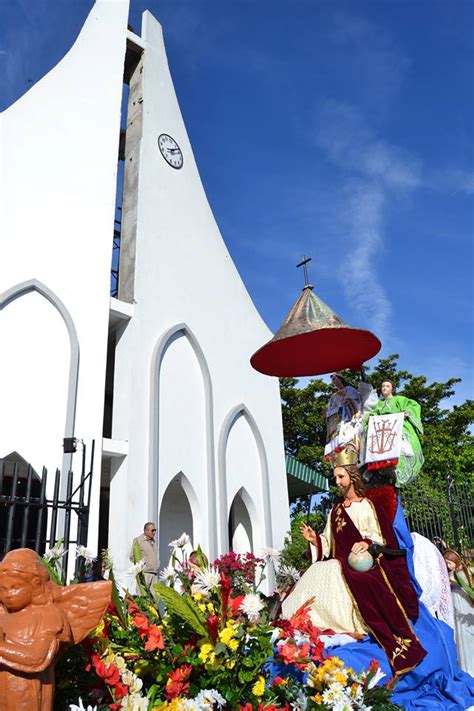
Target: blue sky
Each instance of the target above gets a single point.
(342, 130)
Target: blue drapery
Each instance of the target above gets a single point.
(436, 683)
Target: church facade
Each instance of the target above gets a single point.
(187, 433)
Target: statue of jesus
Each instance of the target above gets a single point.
(380, 601)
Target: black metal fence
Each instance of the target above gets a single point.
(442, 515)
(27, 514)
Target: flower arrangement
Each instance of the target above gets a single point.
(206, 639)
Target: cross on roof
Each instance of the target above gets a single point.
(303, 264)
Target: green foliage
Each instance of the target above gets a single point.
(117, 600)
(183, 606)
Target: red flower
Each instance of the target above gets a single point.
(288, 652)
(373, 665)
(285, 626)
(247, 707)
(155, 639)
(120, 690)
(278, 680)
(115, 706)
(317, 651)
(213, 627)
(141, 623)
(111, 609)
(177, 683)
(234, 604)
(110, 674)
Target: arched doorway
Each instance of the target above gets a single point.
(176, 516)
(240, 525)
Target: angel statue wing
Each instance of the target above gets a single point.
(84, 606)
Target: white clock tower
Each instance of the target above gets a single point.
(190, 435)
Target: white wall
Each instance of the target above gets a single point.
(58, 174)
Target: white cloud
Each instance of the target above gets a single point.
(372, 172)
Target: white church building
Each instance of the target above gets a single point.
(187, 434)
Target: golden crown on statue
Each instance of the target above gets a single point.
(344, 457)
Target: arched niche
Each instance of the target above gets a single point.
(181, 428)
(39, 373)
(178, 513)
(243, 461)
(244, 526)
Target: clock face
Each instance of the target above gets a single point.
(170, 151)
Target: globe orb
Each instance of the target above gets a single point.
(361, 562)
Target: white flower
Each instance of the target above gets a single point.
(288, 572)
(81, 707)
(83, 552)
(207, 698)
(55, 553)
(132, 681)
(180, 542)
(168, 576)
(271, 555)
(137, 568)
(376, 678)
(251, 606)
(301, 703)
(120, 663)
(134, 702)
(207, 579)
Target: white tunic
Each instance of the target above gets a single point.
(332, 607)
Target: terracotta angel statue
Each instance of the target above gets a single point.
(38, 620)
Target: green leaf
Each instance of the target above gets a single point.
(202, 558)
(182, 606)
(116, 599)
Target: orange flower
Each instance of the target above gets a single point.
(288, 652)
(155, 639)
(141, 623)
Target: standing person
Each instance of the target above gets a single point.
(380, 601)
(463, 603)
(148, 548)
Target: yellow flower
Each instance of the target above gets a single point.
(341, 678)
(210, 608)
(226, 635)
(259, 687)
(233, 645)
(317, 698)
(173, 705)
(230, 664)
(198, 597)
(205, 651)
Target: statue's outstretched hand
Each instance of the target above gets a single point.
(308, 533)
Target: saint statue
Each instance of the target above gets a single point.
(344, 414)
(380, 601)
(38, 620)
(410, 459)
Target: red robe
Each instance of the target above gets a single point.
(384, 595)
